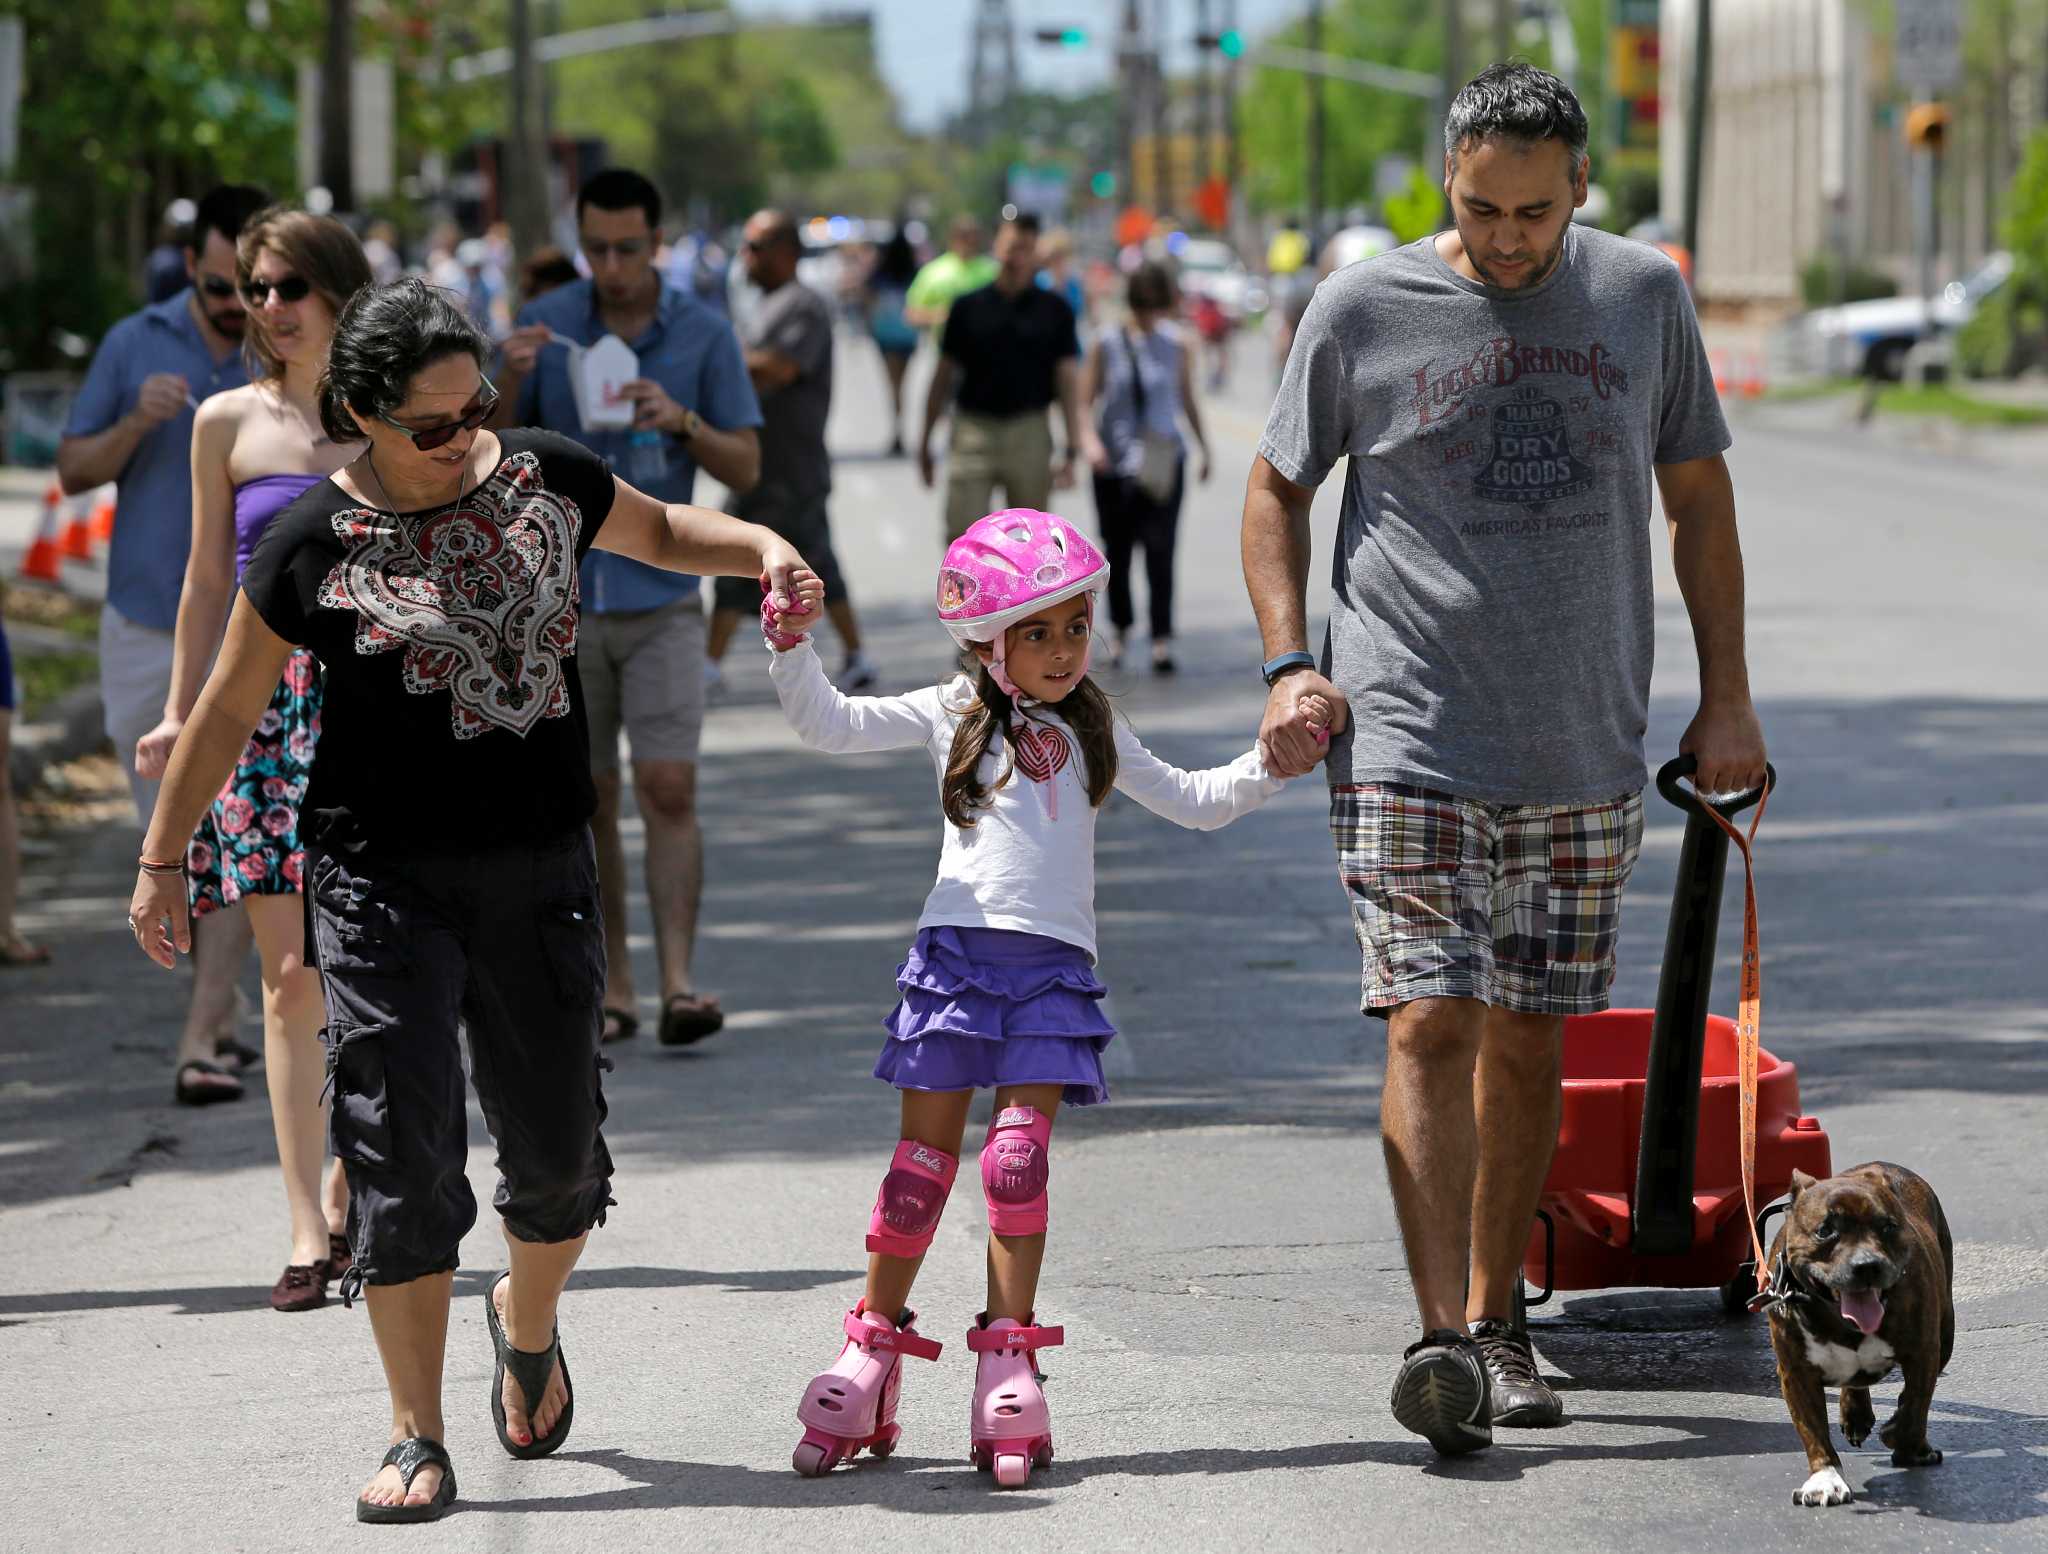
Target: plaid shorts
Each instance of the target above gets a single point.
(1513, 904)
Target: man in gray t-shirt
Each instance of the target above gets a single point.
(788, 341)
(1505, 393)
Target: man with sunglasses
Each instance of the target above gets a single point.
(132, 425)
(641, 651)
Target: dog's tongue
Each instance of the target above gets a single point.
(1863, 1307)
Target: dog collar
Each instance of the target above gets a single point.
(1783, 1289)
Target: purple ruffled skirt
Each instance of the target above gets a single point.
(982, 1007)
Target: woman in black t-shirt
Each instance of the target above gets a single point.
(449, 869)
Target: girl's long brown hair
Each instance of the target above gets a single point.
(1087, 713)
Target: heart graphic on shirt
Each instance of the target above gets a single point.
(1041, 752)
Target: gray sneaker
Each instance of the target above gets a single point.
(1441, 1393)
(1521, 1397)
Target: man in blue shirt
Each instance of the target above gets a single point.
(640, 653)
(132, 425)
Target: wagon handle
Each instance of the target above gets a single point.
(1689, 800)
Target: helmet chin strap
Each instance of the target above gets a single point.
(999, 654)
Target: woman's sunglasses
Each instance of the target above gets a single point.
(293, 288)
(437, 436)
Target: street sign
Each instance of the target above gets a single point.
(1927, 44)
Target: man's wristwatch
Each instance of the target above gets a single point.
(693, 423)
(1274, 668)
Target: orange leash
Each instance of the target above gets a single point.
(1748, 1017)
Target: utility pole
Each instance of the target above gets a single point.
(1314, 83)
(1696, 128)
(337, 115)
(1162, 148)
(1204, 127)
(1130, 62)
(1232, 169)
(524, 174)
(1503, 29)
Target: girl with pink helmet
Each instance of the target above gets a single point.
(999, 990)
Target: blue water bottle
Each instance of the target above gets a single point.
(646, 457)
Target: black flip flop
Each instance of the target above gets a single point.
(531, 1371)
(203, 1094)
(620, 1025)
(409, 1456)
(680, 1025)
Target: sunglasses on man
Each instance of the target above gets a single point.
(292, 288)
(217, 286)
(433, 437)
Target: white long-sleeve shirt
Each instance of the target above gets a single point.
(1028, 861)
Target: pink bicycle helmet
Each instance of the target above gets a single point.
(1010, 565)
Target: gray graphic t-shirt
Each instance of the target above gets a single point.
(1492, 619)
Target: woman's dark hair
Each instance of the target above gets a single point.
(1150, 288)
(897, 264)
(1514, 100)
(384, 336)
(320, 251)
(1087, 712)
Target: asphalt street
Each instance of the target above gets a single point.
(1223, 1255)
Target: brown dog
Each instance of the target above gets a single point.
(1862, 1280)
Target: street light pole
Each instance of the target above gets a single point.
(1314, 84)
(524, 175)
(1204, 130)
(1696, 128)
(337, 109)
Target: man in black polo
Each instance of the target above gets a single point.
(1010, 349)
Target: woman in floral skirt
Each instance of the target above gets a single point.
(254, 451)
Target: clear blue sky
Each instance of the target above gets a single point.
(923, 44)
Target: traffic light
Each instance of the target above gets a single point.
(1062, 37)
(1229, 44)
(1927, 126)
(1102, 185)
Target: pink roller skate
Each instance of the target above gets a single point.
(1012, 1427)
(853, 1405)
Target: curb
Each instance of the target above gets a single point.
(72, 728)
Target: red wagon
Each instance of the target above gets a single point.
(1646, 1185)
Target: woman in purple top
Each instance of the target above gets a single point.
(255, 450)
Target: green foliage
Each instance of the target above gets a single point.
(2010, 331)
(1825, 280)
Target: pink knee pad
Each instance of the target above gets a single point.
(1015, 1163)
(912, 1198)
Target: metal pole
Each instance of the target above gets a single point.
(1696, 128)
(1503, 29)
(1924, 223)
(1232, 170)
(1162, 150)
(525, 170)
(1314, 83)
(337, 115)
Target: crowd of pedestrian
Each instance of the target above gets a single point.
(395, 577)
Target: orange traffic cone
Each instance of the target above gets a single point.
(1752, 386)
(1719, 359)
(77, 541)
(103, 515)
(43, 562)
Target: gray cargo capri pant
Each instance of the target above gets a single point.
(507, 944)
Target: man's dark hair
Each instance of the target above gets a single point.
(1516, 101)
(779, 228)
(225, 209)
(1024, 221)
(620, 188)
(1150, 287)
(382, 338)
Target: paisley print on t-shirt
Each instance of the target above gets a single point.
(482, 597)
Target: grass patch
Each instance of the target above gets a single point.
(1939, 399)
(1933, 399)
(45, 678)
(53, 610)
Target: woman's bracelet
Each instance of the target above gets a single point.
(149, 867)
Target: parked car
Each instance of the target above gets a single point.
(1348, 245)
(1210, 268)
(1872, 338)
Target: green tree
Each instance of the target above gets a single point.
(2010, 331)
